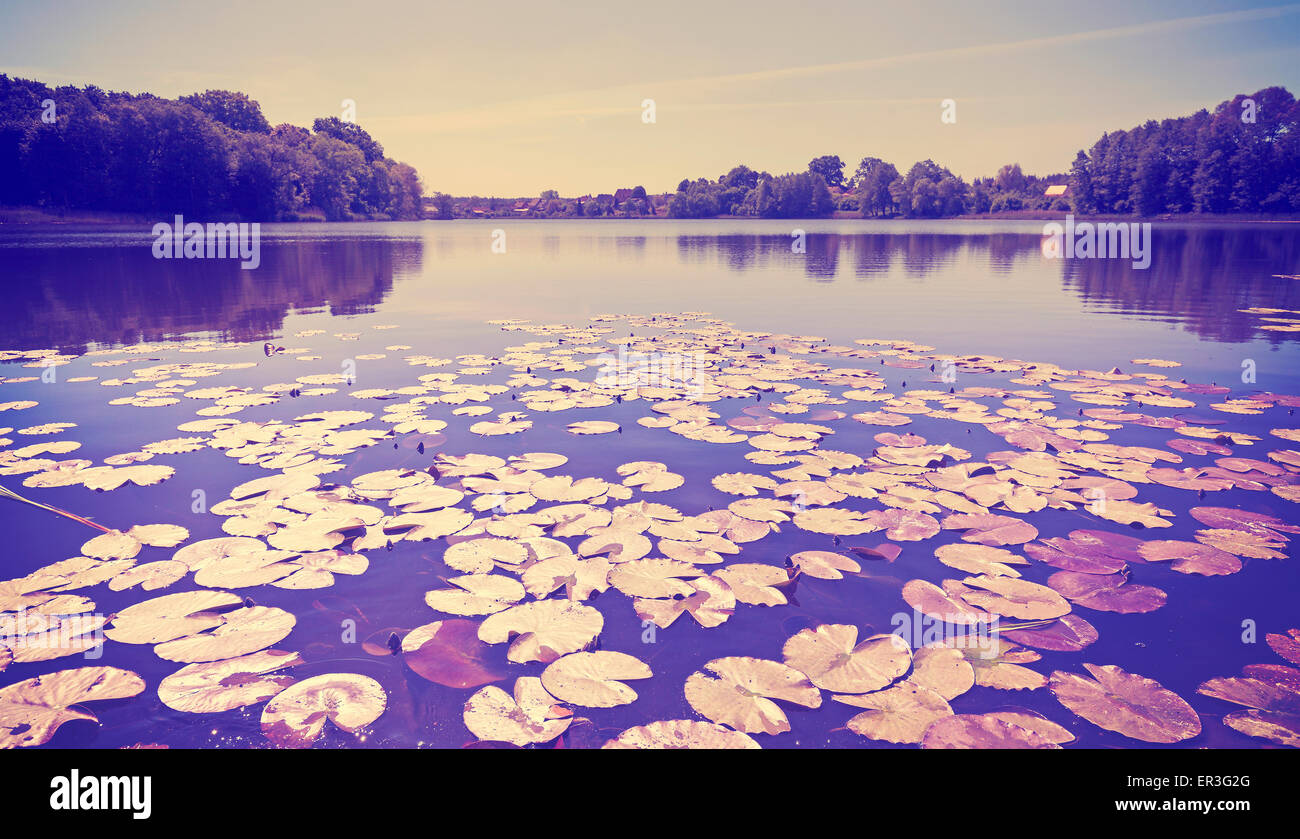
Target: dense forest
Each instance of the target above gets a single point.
(1242, 158)
(209, 154)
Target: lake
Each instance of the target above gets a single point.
(368, 309)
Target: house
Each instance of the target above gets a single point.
(1056, 190)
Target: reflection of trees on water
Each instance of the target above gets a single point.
(1199, 276)
(69, 297)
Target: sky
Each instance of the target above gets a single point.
(512, 97)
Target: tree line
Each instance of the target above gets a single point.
(209, 154)
(1242, 158)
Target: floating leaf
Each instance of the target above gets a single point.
(214, 686)
(296, 717)
(741, 695)
(832, 658)
(593, 679)
(1127, 703)
(682, 734)
(530, 716)
(31, 711)
(545, 629)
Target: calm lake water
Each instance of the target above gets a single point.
(965, 288)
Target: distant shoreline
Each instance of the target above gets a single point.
(17, 216)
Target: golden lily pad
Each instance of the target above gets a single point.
(215, 686)
(593, 679)
(832, 659)
(31, 711)
(529, 716)
(900, 714)
(982, 731)
(741, 695)
(543, 630)
(295, 718)
(682, 734)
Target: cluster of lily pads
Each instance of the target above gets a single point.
(531, 546)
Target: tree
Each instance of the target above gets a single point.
(1010, 179)
(230, 108)
(830, 167)
(1081, 194)
(873, 178)
(350, 133)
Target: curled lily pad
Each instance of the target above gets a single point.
(296, 717)
(31, 711)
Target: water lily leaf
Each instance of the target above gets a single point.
(594, 679)
(900, 714)
(170, 616)
(682, 734)
(214, 686)
(1126, 703)
(942, 669)
(242, 631)
(824, 565)
(933, 602)
(835, 521)
(1283, 729)
(113, 545)
(741, 695)
(982, 731)
(592, 427)
(742, 483)
(1191, 557)
(1241, 543)
(1068, 633)
(296, 717)
(31, 711)
(476, 594)
(529, 716)
(1107, 592)
(654, 578)
(448, 652)
(832, 659)
(1287, 646)
(545, 629)
(1014, 598)
(991, 529)
(159, 535)
(711, 603)
(754, 583)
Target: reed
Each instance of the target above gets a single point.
(10, 494)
